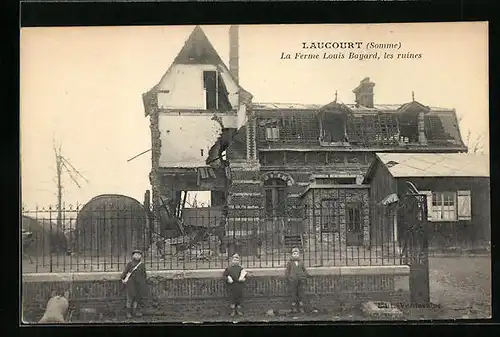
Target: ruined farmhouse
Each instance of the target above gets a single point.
(286, 169)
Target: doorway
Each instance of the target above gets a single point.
(354, 235)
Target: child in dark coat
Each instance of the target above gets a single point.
(134, 278)
(296, 275)
(235, 277)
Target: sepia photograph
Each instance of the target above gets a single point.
(255, 173)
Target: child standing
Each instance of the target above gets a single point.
(296, 274)
(134, 278)
(235, 277)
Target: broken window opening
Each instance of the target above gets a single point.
(387, 129)
(216, 94)
(198, 199)
(335, 129)
(275, 192)
(379, 129)
(210, 86)
(408, 128)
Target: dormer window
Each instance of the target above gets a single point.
(408, 128)
(335, 131)
(333, 127)
(216, 95)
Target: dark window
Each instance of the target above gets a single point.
(408, 128)
(210, 85)
(329, 220)
(216, 95)
(335, 129)
(275, 197)
(353, 217)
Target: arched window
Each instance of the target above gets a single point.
(275, 193)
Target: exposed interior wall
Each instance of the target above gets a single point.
(242, 117)
(187, 140)
(183, 87)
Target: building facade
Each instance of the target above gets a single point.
(277, 169)
(457, 192)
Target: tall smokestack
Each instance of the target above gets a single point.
(234, 53)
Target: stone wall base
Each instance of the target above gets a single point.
(204, 293)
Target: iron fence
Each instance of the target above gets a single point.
(102, 238)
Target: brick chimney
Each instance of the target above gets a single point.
(234, 53)
(364, 93)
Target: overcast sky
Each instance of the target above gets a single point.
(83, 86)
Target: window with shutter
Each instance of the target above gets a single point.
(464, 205)
(441, 206)
(428, 194)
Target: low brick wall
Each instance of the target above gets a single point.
(205, 292)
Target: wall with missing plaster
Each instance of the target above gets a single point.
(183, 87)
(186, 140)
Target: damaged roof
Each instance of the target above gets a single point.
(385, 108)
(441, 124)
(285, 106)
(196, 50)
(433, 164)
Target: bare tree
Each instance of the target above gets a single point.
(474, 143)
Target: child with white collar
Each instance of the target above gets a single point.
(296, 275)
(235, 276)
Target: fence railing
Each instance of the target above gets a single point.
(102, 238)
